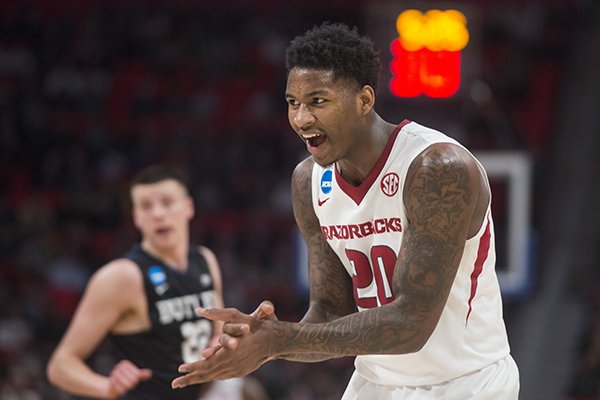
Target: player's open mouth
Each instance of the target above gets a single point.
(163, 231)
(315, 139)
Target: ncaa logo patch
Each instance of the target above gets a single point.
(390, 184)
(157, 275)
(326, 181)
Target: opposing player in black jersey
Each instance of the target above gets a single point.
(144, 302)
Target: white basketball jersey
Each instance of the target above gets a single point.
(364, 226)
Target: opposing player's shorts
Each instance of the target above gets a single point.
(498, 381)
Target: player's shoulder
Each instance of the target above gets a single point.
(448, 164)
(118, 273)
(211, 259)
(118, 284)
(305, 165)
(444, 155)
(205, 251)
(303, 171)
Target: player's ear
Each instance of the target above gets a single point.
(366, 99)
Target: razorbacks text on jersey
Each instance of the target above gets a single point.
(364, 225)
(177, 334)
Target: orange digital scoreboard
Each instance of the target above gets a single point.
(427, 53)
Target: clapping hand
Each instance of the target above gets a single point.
(239, 351)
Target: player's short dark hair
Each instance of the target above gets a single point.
(157, 173)
(337, 48)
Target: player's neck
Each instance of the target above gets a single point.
(173, 256)
(359, 164)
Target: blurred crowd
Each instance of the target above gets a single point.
(90, 92)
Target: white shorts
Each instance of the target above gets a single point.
(499, 381)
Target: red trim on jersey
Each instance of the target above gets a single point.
(482, 254)
(357, 193)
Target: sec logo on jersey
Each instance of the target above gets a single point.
(390, 184)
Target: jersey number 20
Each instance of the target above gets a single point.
(374, 269)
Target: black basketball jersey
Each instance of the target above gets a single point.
(176, 334)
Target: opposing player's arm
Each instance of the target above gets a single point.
(215, 272)
(331, 294)
(445, 197)
(112, 293)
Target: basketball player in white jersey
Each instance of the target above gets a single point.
(400, 241)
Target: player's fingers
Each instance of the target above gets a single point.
(222, 314)
(124, 376)
(266, 310)
(125, 371)
(145, 374)
(129, 374)
(189, 379)
(196, 373)
(229, 342)
(235, 329)
(129, 377)
(117, 385)
(209, 351)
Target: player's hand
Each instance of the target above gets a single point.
(125, 376)
(253, 348)
(232, 331)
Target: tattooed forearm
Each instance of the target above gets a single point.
(307, 357)
(376, 331)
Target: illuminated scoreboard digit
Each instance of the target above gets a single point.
(427, 53)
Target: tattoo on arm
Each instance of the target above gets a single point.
(330, 285)
(439, 203)
(331, 294)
